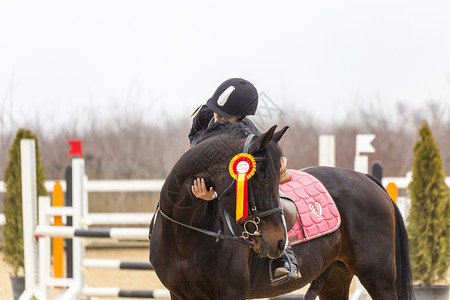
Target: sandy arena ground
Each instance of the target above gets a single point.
(126, 279)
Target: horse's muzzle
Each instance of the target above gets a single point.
(266, 246)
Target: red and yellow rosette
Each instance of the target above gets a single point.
(241, 168)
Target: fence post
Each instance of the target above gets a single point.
(69, 242)
(327, 149)
(363, 144)
(58, 242)
(29, 212)
(77, 198)
(44, 246)
(377, 170)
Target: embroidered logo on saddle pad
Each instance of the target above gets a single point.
(318, 214)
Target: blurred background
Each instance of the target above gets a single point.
(123, 76)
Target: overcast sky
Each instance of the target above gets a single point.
(61, 57)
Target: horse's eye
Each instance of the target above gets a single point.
(263, 181)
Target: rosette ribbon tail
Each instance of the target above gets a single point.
(242, 167)
(241, 197)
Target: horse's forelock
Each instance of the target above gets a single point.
(272, 157)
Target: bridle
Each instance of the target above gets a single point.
(254, 218)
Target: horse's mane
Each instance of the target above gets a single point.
(240, 130)
(237, 129)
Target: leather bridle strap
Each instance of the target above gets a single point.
(227, 190)
(263, 214)
(255, 213)
(252, 199)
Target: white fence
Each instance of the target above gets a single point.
(109, 186)
(37, 223)
(155, 186)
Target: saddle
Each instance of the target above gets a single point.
(289, 208)
(306, 197)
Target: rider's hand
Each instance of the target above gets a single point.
(199, 190)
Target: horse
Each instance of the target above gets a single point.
(199, 253)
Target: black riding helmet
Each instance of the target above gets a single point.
(236, 97)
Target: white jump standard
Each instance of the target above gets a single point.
(37, 240)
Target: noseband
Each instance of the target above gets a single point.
(254, 218)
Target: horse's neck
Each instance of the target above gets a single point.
(190, 215)
(177, 199)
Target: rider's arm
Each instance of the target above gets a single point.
(199, 190)
(251, 125)
(200, 122)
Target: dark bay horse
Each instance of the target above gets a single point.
(371, 242)
(195, 265)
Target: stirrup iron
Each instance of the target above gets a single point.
(283, 278)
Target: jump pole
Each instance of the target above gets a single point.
(121, 293)
(116, 264)
(140, 234)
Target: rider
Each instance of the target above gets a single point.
(233, 100)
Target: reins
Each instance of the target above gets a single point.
(218, 235)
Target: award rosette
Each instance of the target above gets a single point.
(241, 168)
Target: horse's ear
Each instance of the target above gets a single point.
(262, 141)
(279, 134)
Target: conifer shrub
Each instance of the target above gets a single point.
(429, 216)
(13, 229)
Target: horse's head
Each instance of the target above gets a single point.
(264, 222)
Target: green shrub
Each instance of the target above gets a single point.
(13, 229)
(429, 217)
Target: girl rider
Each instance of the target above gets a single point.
(233, 100)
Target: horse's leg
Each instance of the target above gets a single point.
(375, 267)
(317, 284)
(173, 297)
(381, 288)
(315, 287)
(334, 283)
(234, 296)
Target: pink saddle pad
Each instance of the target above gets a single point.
(318, 214)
